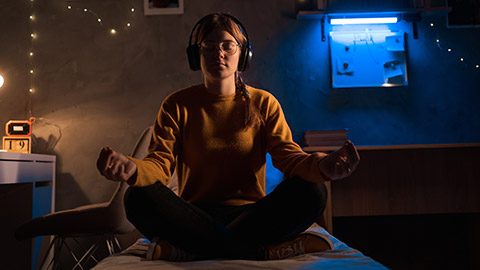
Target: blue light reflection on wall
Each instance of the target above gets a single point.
(440, 104)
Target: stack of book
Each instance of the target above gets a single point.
(325, 137)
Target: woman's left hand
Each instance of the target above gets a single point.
(341, 163)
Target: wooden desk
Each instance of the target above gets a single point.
(27, 184)
(409, 179)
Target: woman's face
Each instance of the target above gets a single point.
(219, 63)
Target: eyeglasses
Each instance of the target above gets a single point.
(227, 47)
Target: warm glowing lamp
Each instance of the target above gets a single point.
(380, 20)
(2, 80)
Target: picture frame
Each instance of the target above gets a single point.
(163, 7)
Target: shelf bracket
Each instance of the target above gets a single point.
(322, 21)
(415, 30)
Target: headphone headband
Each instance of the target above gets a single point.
(193, 53)
(242, 28)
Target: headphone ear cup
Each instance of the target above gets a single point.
(193, 56)
(245, 58)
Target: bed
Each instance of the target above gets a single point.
(341, 257)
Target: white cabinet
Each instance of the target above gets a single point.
(18, 172)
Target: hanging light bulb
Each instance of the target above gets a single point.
(2, 80)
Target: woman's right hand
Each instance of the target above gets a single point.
(115, 166)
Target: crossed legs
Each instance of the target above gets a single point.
(226, 231)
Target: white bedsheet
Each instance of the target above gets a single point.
(341, 257)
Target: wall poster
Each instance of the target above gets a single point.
(369, 58)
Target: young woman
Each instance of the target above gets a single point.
(216, 135)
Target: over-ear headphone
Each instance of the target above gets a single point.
(193, 51)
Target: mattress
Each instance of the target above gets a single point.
(341, 257)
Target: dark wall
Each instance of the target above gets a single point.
(94, 89)
(438, 105)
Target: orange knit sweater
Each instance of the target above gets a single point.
(218, 161)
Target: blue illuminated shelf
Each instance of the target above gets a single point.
(409, 15)
(424, 12)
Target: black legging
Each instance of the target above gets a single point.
(226, 231)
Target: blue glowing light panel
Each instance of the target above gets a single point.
(368, 58)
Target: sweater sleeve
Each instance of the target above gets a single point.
(159, 163)
(288, 156)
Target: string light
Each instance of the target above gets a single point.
(450, 50)
(31, 71)
(111, 30)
